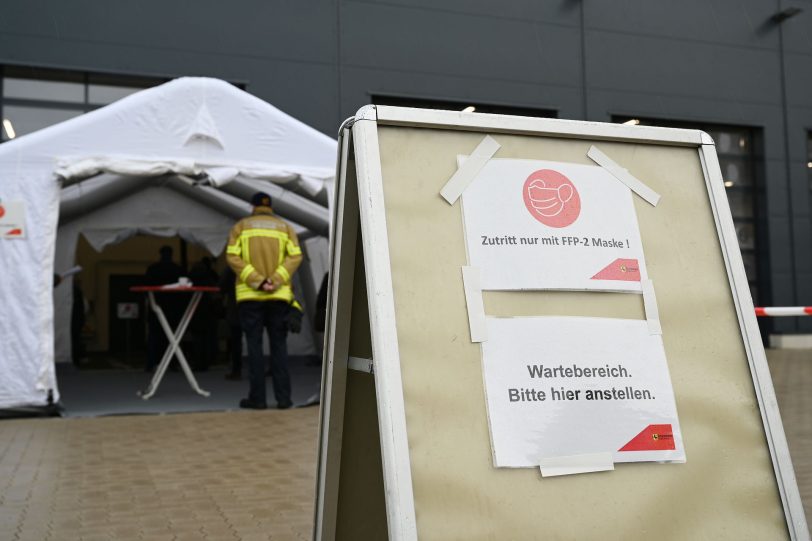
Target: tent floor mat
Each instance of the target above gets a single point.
(95, 393)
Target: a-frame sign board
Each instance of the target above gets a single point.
(413, 421)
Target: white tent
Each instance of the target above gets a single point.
(179, 159)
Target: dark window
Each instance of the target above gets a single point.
(741, 163)
(35, 98)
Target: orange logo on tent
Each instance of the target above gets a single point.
(2, 211)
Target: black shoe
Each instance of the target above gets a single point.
(233, 376)
(250, 405)
(284, 405)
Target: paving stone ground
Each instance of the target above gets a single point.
(221, 476)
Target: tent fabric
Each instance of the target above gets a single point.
(191, 126)
(212, 240)
(170, 213)
(155, 210)
(311, 180)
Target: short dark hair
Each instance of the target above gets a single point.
(261, 199)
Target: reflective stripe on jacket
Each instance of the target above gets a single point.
(263, 247)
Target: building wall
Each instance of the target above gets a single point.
(721, 62)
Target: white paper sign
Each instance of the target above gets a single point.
(12, 219)
(564, 386)
(548, 225)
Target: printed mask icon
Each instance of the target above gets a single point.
(549, 202)
(551, 198)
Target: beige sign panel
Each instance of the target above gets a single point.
(405, 451)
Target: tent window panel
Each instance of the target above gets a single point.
(21, 120)
(35, 89)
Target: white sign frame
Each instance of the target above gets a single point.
(363, 129)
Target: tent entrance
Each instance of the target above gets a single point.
(114, 334)
(114, 337)
(126, 318)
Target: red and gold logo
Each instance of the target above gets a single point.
(652, 438)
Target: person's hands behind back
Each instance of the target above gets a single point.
(268, 286)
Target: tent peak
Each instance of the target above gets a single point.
(203, 129)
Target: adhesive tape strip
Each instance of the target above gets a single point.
(569, 465)
(634, 184)
(476, 308)
(650, 305)
(469, 169)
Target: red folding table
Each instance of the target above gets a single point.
(173, 349)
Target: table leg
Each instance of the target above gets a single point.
(184, 322)
(173, 349)
(167, 356)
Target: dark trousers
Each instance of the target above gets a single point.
(205, 346)
(77, 346)
(235, 348)
(255, 316)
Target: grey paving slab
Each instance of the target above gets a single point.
(91, 393)
(173, 463)
(216, 475)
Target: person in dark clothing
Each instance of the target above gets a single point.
(263, 251)
(164, 271)
(233, 320)
(203, 326)
(77, 322)
(203, 273)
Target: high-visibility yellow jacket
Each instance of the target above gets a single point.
(263, 247)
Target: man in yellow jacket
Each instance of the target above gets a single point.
(264, 252)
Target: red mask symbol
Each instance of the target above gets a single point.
(551, 198)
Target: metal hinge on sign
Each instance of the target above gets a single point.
(361, 365)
